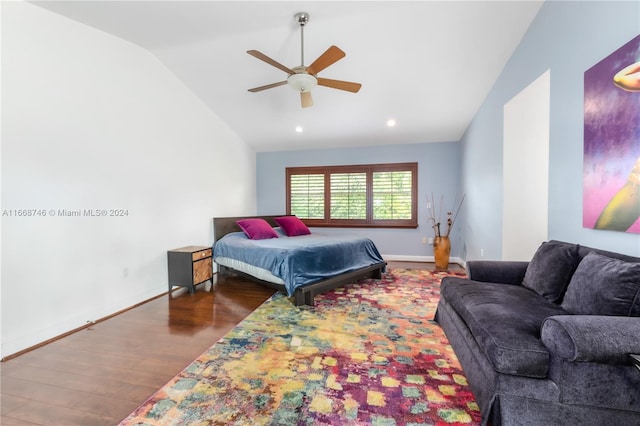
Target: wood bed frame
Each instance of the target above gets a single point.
(303, 295)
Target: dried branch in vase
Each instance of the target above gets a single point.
(452, 214)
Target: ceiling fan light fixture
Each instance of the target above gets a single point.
(302, 82)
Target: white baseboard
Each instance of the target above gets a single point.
(405, 258)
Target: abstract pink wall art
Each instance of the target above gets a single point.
(611, 175)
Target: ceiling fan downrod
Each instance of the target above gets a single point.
(301, 18)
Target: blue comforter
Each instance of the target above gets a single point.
(303, 259)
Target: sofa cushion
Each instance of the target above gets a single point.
(604, 286)
(551, 268)
(505, 321)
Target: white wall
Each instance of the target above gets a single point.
(0, 183)
(525, 166)
(90, 121)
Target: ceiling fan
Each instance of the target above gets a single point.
(303, 78)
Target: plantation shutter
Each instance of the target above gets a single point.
(392, 195)
(307, 196)
(348, 195)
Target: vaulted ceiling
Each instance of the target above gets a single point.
(426, 64)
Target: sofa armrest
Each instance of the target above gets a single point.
(592, 338)
(497, 271)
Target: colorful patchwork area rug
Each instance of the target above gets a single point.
(366, 354)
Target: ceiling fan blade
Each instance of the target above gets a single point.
(270, 61)
(268, 86)
(332, 55)
(339, 84)
(306, 99)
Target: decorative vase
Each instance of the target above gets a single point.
(441, 250)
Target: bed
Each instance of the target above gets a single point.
(301, 266)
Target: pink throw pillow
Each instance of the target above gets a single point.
(257, 229)
(292, 226)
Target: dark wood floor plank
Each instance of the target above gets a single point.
(39, 413)
(108, 386)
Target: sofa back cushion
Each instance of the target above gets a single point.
(551, 268)
(604, 285)
(584, 250)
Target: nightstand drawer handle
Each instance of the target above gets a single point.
(201, 254)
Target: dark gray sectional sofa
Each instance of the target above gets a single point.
(548, 342)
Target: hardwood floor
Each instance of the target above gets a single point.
(98, 375)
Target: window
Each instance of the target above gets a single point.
(374, 195)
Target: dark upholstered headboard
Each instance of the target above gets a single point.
(224, 225)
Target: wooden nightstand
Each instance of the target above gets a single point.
(189, 266)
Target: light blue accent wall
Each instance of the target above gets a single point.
(438, 173)
(567, 38)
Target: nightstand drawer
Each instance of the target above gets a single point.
(202, 270)
(201, 254)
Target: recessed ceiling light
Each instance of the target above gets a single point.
(391, 122)
(299, 129)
